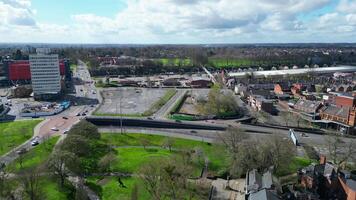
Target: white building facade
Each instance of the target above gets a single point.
(45, 75)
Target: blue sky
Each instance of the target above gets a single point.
(177, 21)
(60, 11)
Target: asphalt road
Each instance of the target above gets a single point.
(166, 108)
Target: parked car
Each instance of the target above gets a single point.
(34, 142)
(54, 129)
(21, 151)
(65, 131)
(65, 117)
(83, 114)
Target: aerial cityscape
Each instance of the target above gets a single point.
(178, 100)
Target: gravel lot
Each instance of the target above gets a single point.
(133, 101)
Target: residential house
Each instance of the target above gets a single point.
(348, 184)
(200, 83)
(259, 103)
(264, 195)
(255, 181)
(281, 89)
(306, 106)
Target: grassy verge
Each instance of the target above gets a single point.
(35, 157)
(175, 61)
(158, 104)
(297, 163)
(119, 115)
(182, 117)
(13, 134)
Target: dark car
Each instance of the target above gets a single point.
(65, 117)
(83, 114)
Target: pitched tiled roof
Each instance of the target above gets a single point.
(336, 111)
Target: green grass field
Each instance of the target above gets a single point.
(217, 163)
(175, 61)
(111, 190)
(13, 134)
(131, 159)
(35, 157)
(229, 62)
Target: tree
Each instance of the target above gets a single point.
(85, 129)
(150, 175)
(106, 162)
(232, 139)
(76, 144)
(61, 163)
(169, 142)
(219, 103)
(5, 187)
(144, 142)
(339, 152)
(31, 184)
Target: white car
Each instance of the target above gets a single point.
(54, 129)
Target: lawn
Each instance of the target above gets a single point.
(297, 163)
(131, 159)
(110, 189)
(52, 191)
(229, 62)
(13, 134)
(212, 151)
(175, 61)
(34, 157)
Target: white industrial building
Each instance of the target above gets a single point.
(45, 75)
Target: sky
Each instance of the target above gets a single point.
(177, 21)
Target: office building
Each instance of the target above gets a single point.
(45, 76)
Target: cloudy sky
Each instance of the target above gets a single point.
(177, 21)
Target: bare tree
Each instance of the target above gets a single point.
(144, 142)
(61, 162)
(339, 152)
(232, 138)
(169, 142)
(106, 162)
(31, 184)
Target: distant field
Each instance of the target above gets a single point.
(175, 61)
(229, 62)
(12, 134)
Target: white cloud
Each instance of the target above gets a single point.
(190, 21)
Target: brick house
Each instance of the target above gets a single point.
(259, 103)
(306, 106)
(348, 184)
(281, 89)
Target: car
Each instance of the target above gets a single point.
(92, 106)
(54, 129)
(21, 151)
(64, 117)
(193, 131)
(65, 131)
(83, 114)
(150, 118)
(78, 114)
(35, 143)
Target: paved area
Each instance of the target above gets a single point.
(133, 100)
(166, 108)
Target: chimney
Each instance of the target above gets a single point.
(322, 159)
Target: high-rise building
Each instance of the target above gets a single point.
(45, 75)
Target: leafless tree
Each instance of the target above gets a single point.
(340, 151)
(31, 184)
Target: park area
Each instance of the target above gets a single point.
(15, 133)
(135, 102)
